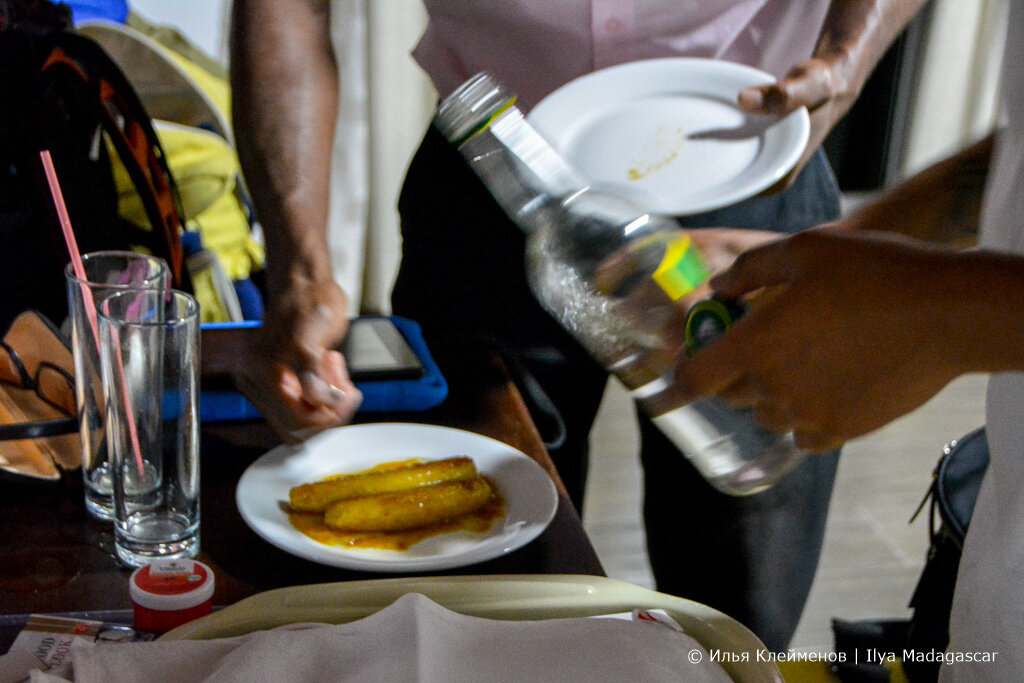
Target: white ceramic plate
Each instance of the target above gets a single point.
(530, 496)
(671, 129)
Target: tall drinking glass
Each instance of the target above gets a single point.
(150, 361)
(106, 273)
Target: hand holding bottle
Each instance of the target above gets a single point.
(876, 354)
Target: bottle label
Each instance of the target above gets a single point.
(681, 270)
(171, 578)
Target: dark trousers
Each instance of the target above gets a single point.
(462, 278)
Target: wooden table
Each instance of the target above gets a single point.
(54, 558)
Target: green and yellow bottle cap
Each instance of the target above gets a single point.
(708, 320)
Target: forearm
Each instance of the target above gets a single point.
(855, 35)
(941, 204)
(993, 330)
(285, 87)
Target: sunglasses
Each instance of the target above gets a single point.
(51, 383)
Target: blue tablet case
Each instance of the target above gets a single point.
(400, 395)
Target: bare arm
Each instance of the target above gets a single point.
(855, 35)
(285, 90)
(941, 204)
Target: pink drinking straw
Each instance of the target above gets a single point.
(90, 305)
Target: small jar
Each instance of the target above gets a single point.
(169, 593)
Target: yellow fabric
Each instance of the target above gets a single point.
(821, 672)
(807, 672)
(217, 89)
(203, 165)
(205, 168)
(174, 40)
(238, 252)
(210, 308)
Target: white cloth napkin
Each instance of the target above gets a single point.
(414, 639)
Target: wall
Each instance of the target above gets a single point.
(955, 97)
(384, 104)
(204, 22)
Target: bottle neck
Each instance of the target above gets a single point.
(518, 166)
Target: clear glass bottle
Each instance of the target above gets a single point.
(622, 280)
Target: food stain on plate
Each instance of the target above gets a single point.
(658, 153)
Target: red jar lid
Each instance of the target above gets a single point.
(168, 593)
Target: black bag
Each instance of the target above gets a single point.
(60, 92)
(954, 491)
(956, 481)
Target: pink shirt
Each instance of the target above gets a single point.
(535, 46)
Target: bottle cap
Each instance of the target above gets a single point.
(471, 108)
(708, 320)
(168, 593)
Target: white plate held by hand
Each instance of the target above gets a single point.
(530, 496)
(671, 129)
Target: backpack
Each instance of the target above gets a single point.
(188, 96)
(60, 92)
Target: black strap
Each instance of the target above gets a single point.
(124, 118)
(39, 429)
(548, 420)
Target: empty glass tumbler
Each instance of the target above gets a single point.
(106, 273)
(150, 362)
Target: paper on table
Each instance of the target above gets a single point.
(415, 639)
(46, 644)
(18, 665)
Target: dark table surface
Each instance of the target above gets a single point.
(54, 558)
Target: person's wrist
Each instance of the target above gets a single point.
(845, 74)
(299, 275)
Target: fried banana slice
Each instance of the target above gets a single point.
(410, 509)
(316, 497)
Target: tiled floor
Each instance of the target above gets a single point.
(872, 556)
